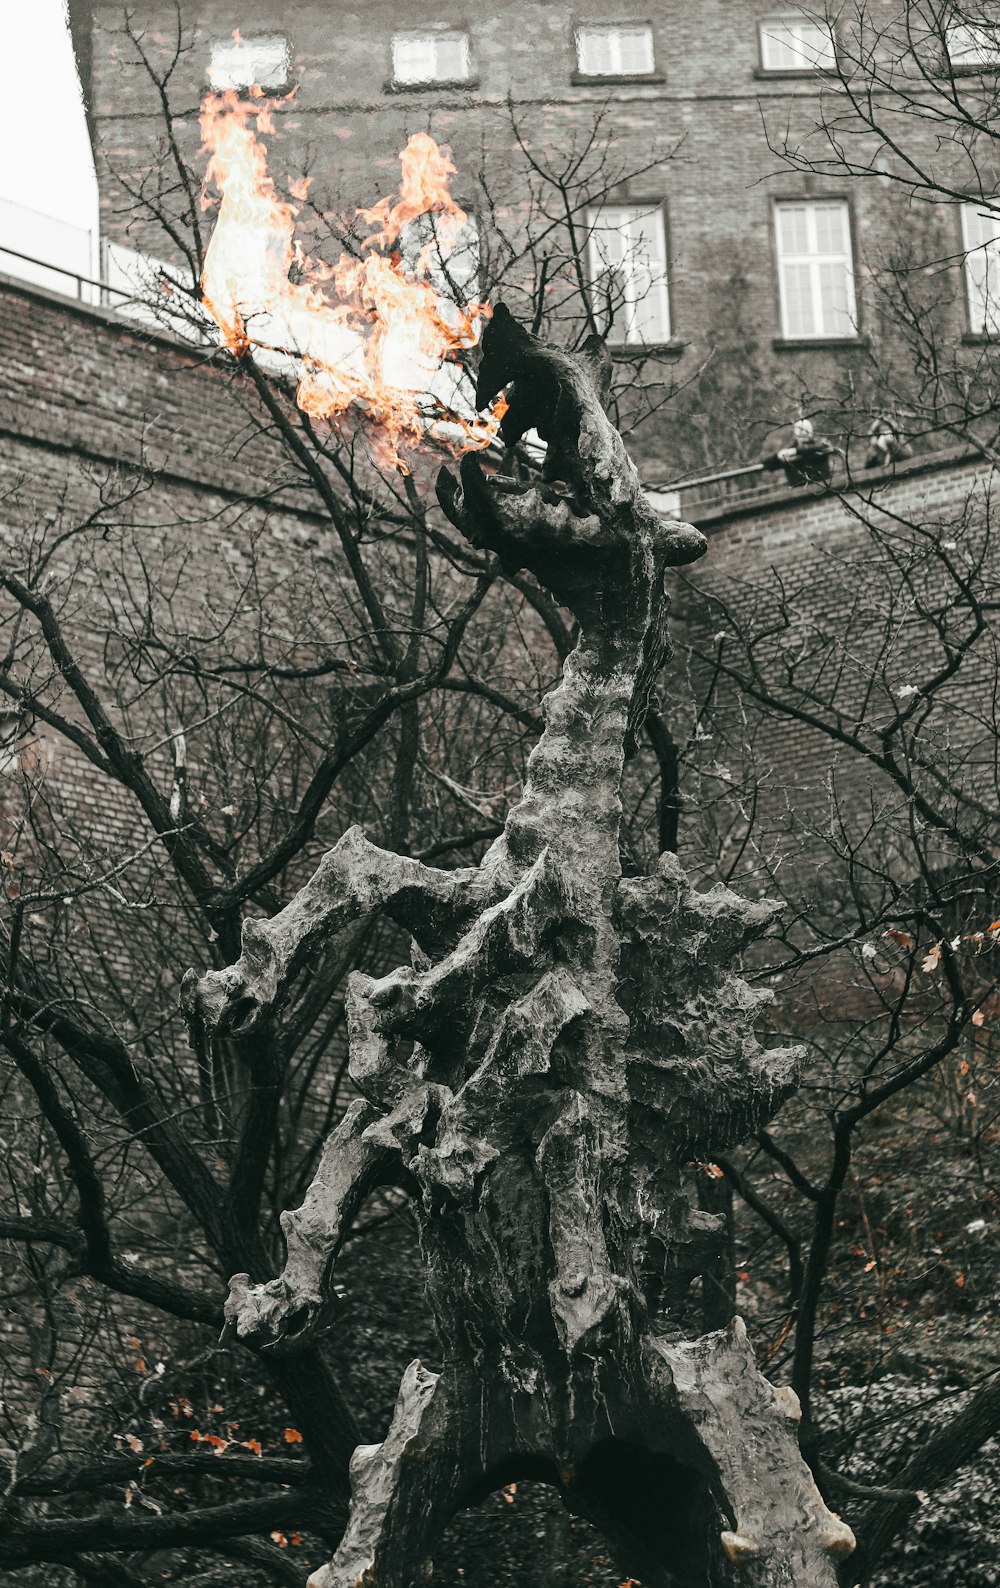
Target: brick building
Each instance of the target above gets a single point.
(698, 238)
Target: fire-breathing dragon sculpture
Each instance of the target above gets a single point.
(565, 1042)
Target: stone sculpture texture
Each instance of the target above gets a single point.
(563, 1043)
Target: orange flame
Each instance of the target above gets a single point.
(372, 329)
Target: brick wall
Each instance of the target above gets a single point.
(139, 471)
(839, 594)
(85, 394)
(86, 381)
(175, 533)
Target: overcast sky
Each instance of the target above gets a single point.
(45, 164)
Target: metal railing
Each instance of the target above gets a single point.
(137, 300)
(81, 281)
(707, 479)
(748, 481)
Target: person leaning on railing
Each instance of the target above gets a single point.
(885, 445)
(808, 461)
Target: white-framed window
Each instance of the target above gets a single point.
(972, 44)
(815, 269)
(981, 243)
(628, 272)
(618, 50)
(431, 58)
(243, 63)
(791, 42)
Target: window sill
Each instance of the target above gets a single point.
(252, 91)
(602, 79)
(802, 344)
(971, 69)
(623, 351)
(392, 87)
(980, 338)
(764, 74)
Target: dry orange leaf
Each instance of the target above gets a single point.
(215, 1440)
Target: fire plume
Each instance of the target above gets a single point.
(379, 328)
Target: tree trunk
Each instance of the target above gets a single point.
(566, 1041)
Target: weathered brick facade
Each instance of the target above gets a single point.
(816, 548)
(139, 471)
(692, 136)
(839, 650)
(83, 382)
